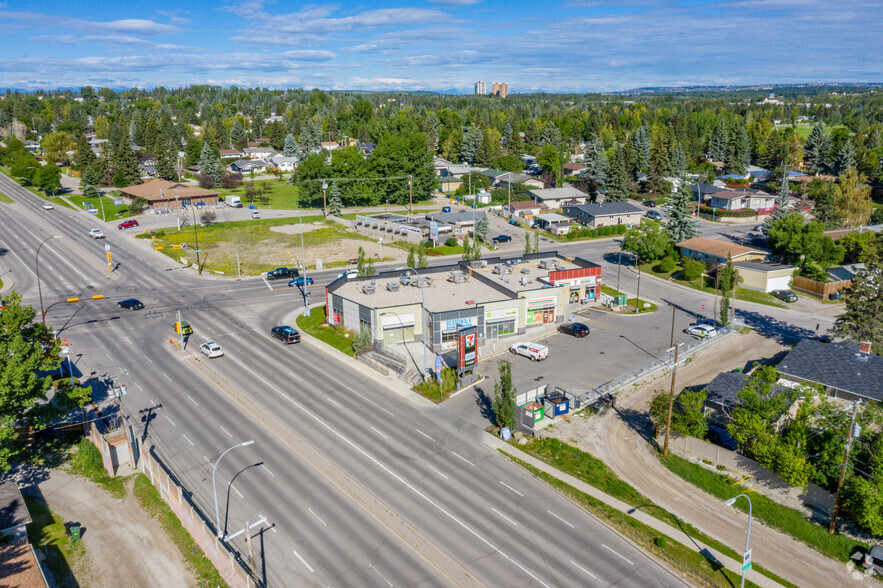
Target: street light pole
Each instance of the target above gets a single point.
(37, 265)
(410, 195)
(730, 502)
(324, 205)
(196, 238)
(303, 256)
(638, 299)
(215, 490)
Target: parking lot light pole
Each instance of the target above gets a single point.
(215, 489)
(730, 502)
(37, 267)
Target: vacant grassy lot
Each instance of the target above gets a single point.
(48, 533)
(111, 211)
(282, 194)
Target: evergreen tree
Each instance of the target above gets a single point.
(91, 176)
(290, 149)
(210, 165)
(719, 146)
(845, 158)
(125, 166)
(507, 135)
(471, 143)
(165, 165)
(552, 135)
(852, 199)
(824, 209)
(618, 181)
(681, 225)
(488, 149)
(83, 155)
(641, 147)
(727, 278)
(817, 149)
(503, 403)
(658, 166)
(335, 205)
(238, 136)
(781, 207)
(862, 317)
(677, 161)
(595, 160)
(739, 154)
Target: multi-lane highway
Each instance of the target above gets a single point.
(360, 485)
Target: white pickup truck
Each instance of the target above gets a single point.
(96, 234)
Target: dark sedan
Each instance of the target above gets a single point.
(131, 304)
(501, 239)
(786, 295)
(650, 203)
(578, 330)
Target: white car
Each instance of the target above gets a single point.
(47, 206)
(535, 351)
(350, 273)
(211, 349)
(255, 214)
(96, 234)
(701, 331)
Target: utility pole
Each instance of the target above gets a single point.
(671, 341)
(196, 238)
(618, 267)
(410, 195)
(853, 431)
(324, 204)
(248, 542)
(671, 401)
(180, 331)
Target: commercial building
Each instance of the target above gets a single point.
(480, 88)
(500, 297)
(500, 89)
(160, 192)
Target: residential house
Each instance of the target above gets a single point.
(705, 191)
(439, 163)
(448, 182)
(526, 209)
(845, 370)
(460, 170)
(492, 174)
(246, 166)
(19, 566)
(32, 146)
(282, 163)
(258, 152)
(742, 199)
(258, 142)
(573, 168)
(838, 233)
(160, 192)
(367, 148)
(765, 276)
(722, 396)
(557, 197)
(14, 515)
(715, 251)
(230, 153)
(512, 179)
(329, 145)
(554, 223)
(601, 214)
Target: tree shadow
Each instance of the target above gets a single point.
(638, 421)
(780, 331)
(485, 405)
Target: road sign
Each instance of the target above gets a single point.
(433, 230)
(506, 433)
(107, 247)
(746, 567)
(746, 561)
(118, 202)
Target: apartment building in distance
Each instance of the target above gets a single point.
(500, 89)
(480, 88)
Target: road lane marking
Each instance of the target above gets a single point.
(188, 439)
(109, 356)
(302, 560)
(317, 516)
(170, 420)
(560, 519)
(206, 459)
(139, 387)
(267, 283)
(360, 395)
(167, 376)
(129, 341)
(437, 472)
(148, 359)
(333, 401)
(376, 571)
(380, 433)
(191, 400)
(153, 402)
(425, 435)
(504, 516)
(236, 491)
(622, 556)
(296, 377)
(584, 569)
(226, 431)
(463, 458)
(511, 488)
(268, 470)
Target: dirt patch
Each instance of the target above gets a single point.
(298, 228)
(276, 254)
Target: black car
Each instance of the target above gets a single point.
(283, 272)
(650, 203)
(786, 295)
(578, 330)
(501, 239)
(286, 334)
(131, 304)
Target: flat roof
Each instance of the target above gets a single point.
(13, 512)
(534, 276)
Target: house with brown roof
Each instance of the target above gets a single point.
(573, 168)
(715, 251)
(230, 153)
(160, 192)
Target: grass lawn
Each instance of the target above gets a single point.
(282, 194)
(315, 326)
(440, 250)
(48, 533)
(635, 302)
(156, 507)
(111, 212)
(87, 462)
(609, 291)
(759, 297)
(5, 198)
(788, 520)
(594, 472)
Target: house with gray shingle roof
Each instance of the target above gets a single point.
(600, 214)
(845, 370)
(556, 197)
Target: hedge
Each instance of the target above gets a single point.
(743, 213)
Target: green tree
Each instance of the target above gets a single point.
(681, 224)
(727, 278)
(509, 163)
(658, 411)
(27, 347)
(641, 147)
(677, 161)
(506, 139)
(845, 158)
(210, 165)
(503, 403)
(56, 145)
(693, 268)
(739, 153)
(467, 249)
(481, 227)
(595, 160)
(816, 150)
(821, 193)
(165, 165)
(799, 243)
(471, 143)
(83, 155)
(290, 149)
(124, 165)
(137, 205)
(422, 260)
(335, 206)
(527, 243)
(550, 162)
(719, 146)
(238, 137)
(649, 241)
(862, 316)
(782, 206)
(48, 178)
(403, 155)
(658, 165)
(489, 148)
(91, 175)
(852, 198)
(552, 135)
(688, 414)
(618, 182)
(412, 257)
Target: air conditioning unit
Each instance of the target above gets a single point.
(423, 282)
(367, 288)
(549, 264)
(458, 277)
(392, 286)
(502, 269)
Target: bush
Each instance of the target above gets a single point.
(667, 264)
(744, 213)
(451, 242)
(660, 542)
(362, 341)
(206, 181)
(693, 268)
(605, 231)
(231, 181)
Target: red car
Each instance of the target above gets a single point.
(127, 224)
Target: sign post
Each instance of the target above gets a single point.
(433, 233)
(109, 257)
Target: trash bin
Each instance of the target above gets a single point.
(75, 533)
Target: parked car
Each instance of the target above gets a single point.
(283, 272)
(653, 214)
(47, 206)
(299, 281)
(183, 328)
(650, 203)
(722, 436)
(131, 304)
(286, 334)
(786, 295)
(535, 351)
(757, 228)
(501, 239)
(255, 214)
(873, 560)
(128, 224)
(96, 234)
(578, 330)
(701, 331)
(211, 349)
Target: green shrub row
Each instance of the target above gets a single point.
(606, 231)
(743, 213)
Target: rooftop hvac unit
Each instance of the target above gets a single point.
(479, 263)
(524, 280)
(423, 282)
(458, 277)
(549, 264)
(525, 271)
(367, 288)
(405, 279)
(502, 269)
(392, 286)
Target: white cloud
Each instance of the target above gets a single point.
(455, 3)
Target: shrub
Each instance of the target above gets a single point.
(667, 264)
(362, 341)
(231, 181)
(744, 213)
(693, 268)
(605, 231)
(451, 242)
(621, 229)
(660, 542)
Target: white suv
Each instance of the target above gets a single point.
(96, 234)
(211, 349)
(535, 351)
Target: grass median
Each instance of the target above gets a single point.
(706, 284)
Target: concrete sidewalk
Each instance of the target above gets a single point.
(477, 434)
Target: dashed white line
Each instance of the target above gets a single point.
(560, 519)
(302, 560)
(463, 458)
(153, 402)
(226, 431)
(504, 516)
(148, 359)
(380, 433)
(362, 396)
(129, 341)
(296, 377)
(437, 472)
(236, 491)
(191, 400)
(167, 376)
(206, 459)
(170, 420)
(622, 556)
(584, 569)
(109, 356)
(272, 528)
(188, 439)
(268, 470)
(138, 385)
(425, 435)
(317, 516)
(376, 571)
(333, 401)
(511, 488)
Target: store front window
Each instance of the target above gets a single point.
(395, 335)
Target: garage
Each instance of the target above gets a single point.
(764, 276)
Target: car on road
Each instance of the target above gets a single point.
(786, 295)
(96, 234)
(501, 239)
(701, 331)
(211, 349)
(183, 328)
(757, 228)
(535, 351)
(285, 334)
(578, 330)
(47, 206)
(128, 224)
(299, 281)
(282, 272)
(255, 214)
(650, 203)
(350, 273)
(131, 304)
(653, 214)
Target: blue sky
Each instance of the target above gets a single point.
(558, 46)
